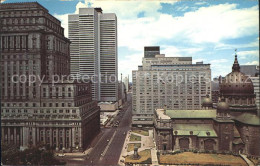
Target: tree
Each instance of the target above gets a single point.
(31, 156)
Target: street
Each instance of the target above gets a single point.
(108, 144)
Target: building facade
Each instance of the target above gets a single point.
(126, 82)
(215, 91)
(34, 55)
(93, 48)
(172, 82)
(233, 127)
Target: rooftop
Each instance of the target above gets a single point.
(179, 114)
(248, 118)
(200, 130)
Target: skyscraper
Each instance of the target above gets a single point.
(93, 36)
(172, 82)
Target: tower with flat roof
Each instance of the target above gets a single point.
(93, 36)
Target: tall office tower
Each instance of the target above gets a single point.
(151, 51)
(93, 37)
(253, 72)
(172, 82)
(34, 53)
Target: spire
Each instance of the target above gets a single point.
(236, 66)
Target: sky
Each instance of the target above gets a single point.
(208, 31)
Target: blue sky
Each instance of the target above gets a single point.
(209, 31)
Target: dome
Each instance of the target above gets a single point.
(207, 102)
(222, 106)
(236, 83)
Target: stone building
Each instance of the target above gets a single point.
(171, 81)
(232, 127)
(34, 56)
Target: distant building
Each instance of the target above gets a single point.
(93, 49)
(172, 82)
(233, 127)
(253, 72)
(63, 116)
(215, 90)
(126, 82)
(121, 93)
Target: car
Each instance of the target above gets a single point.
(61, 155)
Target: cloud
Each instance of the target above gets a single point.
(182, 8)
(253, 63)
(245, 54)
(206, 24)
(220, 66)
(174, 51)
(199, 27)
(129, 63)
(223, 46)
(201, 3)
(218, 61)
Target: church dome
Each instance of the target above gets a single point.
(236, 83)
(222, 106)
(207, 102)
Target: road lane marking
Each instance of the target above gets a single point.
(109, 143)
